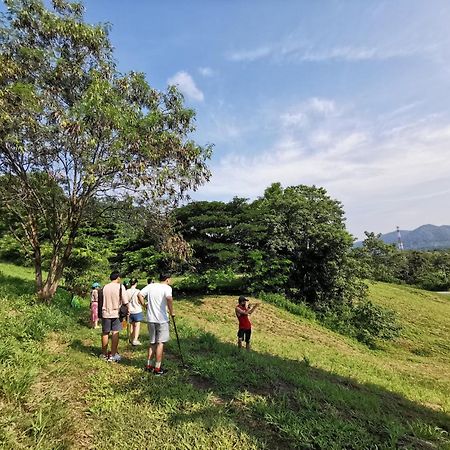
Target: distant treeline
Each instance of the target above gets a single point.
(384, 262)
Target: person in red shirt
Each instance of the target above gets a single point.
(243, 311)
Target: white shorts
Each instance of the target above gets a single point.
(158, 332)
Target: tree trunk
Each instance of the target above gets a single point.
(57, 265)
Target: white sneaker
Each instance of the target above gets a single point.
(136, 343)
(115, 358)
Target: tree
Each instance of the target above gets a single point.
(304, 248)
(72, 128)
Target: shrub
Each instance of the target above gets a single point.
(211, 281)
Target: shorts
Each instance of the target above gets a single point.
(136, 317)
(241, 334)
(109, 325)
(158, 332)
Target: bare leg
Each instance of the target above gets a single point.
(159, 352)
(137, 328)
(95, 323)
(151, 351)
(239, 343)
(115, 342)
(105, 339)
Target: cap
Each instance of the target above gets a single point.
(242, 299)
(95, 285)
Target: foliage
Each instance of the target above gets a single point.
(384, 262)
(217, 281)
(73, 128)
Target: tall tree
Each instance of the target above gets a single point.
(73, 128)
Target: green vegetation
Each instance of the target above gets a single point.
(73, 129)
(384, 262)
(303, 386)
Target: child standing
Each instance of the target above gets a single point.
(243, 311)
(94, 304)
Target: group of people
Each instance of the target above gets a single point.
(116, 302)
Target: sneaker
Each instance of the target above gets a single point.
(115, 358)
(135, 343)
(159, 372)
(104, 357)
(149, 368)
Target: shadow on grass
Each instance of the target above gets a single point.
(15, 286)
(280, 403)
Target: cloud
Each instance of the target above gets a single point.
(206, 71)
(250, 55)
(383, 173)
(187, 86)
(302, 114)
(295, 50)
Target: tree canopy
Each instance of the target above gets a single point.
(73, 128)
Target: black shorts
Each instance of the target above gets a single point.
(109, 325)
(241, 334)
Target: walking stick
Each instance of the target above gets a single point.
(178, 340)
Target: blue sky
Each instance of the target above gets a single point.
(350, 95)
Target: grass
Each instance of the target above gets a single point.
(302, 387)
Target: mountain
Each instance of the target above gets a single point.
(426, 237)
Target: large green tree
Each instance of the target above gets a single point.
(305, 249)
(73, 128)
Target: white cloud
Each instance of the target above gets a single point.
(206, 71)
(384, 177)
(250, 55)
(187, 86)
(302, 114)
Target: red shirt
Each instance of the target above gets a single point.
(244, 320)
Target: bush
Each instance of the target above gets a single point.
(212, 281)
(374, 322)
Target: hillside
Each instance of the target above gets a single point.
(303, 386)
(426, 237)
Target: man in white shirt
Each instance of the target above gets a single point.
(159, 299)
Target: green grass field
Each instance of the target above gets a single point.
(302, 386)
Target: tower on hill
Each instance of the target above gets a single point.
(399, 239)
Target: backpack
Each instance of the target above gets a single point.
(100, 303)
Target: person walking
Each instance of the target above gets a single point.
(94, 304)
(243, 311)
(159, 299)
(136, 302)
(114, 296)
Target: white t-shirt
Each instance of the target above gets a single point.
(156, 295)
(134, 306)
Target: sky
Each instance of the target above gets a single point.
(348, 95)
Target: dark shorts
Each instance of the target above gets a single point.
(244, 334)
(138, 317)
(109, 325)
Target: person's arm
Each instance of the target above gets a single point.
(170, 306)
(241, 312)
(141, 299)
(253, 308)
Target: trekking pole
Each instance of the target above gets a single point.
(178, 340)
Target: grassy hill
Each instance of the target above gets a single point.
(303, 386)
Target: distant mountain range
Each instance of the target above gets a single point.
(425, 237)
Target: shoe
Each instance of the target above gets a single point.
(115, 358)
(135, 343)
(159, 372)
(104, 357)
(149, 368)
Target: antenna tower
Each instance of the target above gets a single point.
(399, 239)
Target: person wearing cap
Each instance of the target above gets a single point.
(243, 311)
(94, 304)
